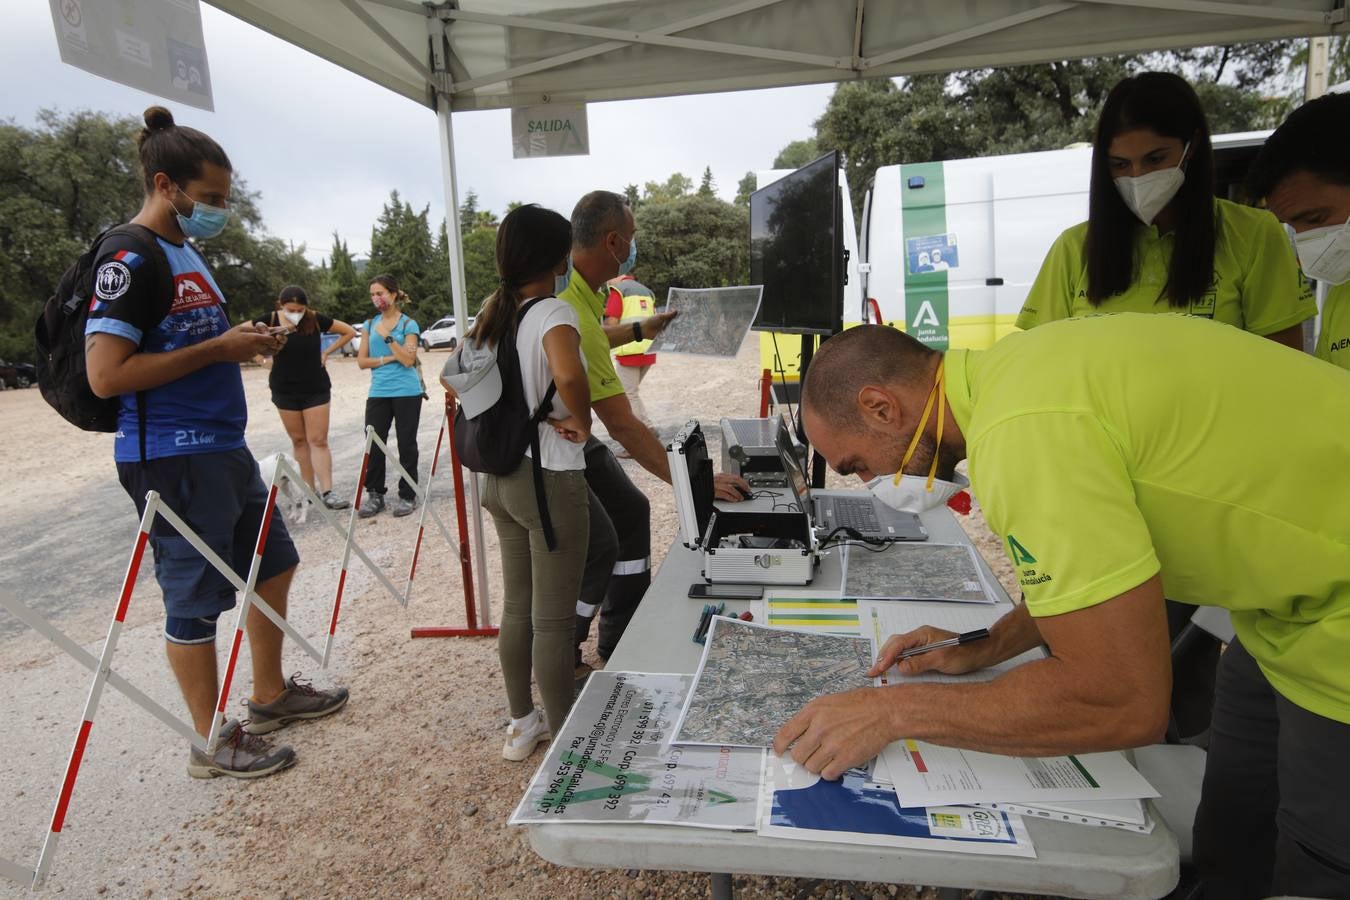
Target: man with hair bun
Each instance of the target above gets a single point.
(181, 434)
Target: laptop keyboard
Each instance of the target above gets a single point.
(859, 514)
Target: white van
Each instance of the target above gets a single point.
(950, 249)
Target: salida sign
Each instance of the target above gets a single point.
(552, 130)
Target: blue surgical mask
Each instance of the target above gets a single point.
(205, 221)
(627, 265)
(560, 282)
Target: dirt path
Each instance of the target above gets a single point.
(403, 794)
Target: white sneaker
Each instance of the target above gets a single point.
(521, 739)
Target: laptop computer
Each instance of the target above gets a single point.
(858, 510)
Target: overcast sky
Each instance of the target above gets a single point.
(325, 147)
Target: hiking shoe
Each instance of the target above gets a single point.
(404, 507)
(300, 700)
(521, 739)
(240, 755)
(374, 505)
(332, 501)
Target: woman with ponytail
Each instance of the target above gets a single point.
(389, 350)
(540, 584)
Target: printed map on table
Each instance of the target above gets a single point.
(753, 678)
(915, 572)
(610, 762)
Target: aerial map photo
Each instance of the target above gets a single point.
(711, 321)
(753, 678)
(915, 572)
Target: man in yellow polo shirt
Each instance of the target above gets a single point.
(1303, 171)
(1118, 458)
(604, 244)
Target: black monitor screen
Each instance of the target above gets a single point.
(797, 250)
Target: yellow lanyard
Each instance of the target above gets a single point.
(936, 395)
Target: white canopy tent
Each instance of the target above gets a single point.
(491, 54)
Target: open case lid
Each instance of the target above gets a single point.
(691, 474)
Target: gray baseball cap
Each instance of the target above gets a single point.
(473, 374)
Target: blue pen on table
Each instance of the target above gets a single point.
(963, 638)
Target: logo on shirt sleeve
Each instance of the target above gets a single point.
(1025, 563)
(111, 280)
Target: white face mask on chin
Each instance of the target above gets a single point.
(1324, 253)
(913, 494)
(1147, 195)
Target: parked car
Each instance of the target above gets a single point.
(328, 339)
(17, 375)
(353, 347)
(442, 334)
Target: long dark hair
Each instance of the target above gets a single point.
(1163, 103)
(531, 241)
(294, 293)
(176, 150)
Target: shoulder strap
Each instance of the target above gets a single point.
(148, 241)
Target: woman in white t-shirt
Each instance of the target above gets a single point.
(541, 584)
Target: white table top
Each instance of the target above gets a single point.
(1072, 860)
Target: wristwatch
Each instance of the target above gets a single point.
(637, 331)
(388, 338)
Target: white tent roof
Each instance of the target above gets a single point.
(490, 54)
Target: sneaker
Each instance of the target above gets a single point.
(240, 755)
(404, 507)
(521, 740)
(300, 700)
(333, 501)
(374, 505)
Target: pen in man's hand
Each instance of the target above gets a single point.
(963, 638)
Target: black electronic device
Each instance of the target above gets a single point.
(726, 591)
(748, 450)
(797, 250)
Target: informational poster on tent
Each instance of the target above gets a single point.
(154, 46)
(551, 130)
(611, 763)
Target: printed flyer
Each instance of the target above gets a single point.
(613, 763)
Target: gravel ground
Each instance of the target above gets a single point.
(403, 794)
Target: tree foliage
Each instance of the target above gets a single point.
(72, 175)
(744, 188)
(692, 241)
(983, 112)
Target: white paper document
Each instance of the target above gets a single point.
(883, 618)
(611, 763)
(1128, 815)
(797, 805)
(926, 774)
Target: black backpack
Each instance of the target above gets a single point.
(494, 441)
(61, 373)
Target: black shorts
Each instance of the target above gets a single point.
(221, 497)
(296, 402)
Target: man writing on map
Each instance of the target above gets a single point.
(1112, 486)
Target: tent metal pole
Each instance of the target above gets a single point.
(461, 307)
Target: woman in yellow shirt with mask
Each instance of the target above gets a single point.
(1157, 239)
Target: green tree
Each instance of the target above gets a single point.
(744, 188)
(672, 188)
(796, 154)
(706, 187)
(692, 241)
(633, 196)
(468, 211)
(480, 267)
(347, 291)
(401, 245)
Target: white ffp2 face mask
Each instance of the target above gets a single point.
(1324, 253)
(292, 317)
(913, 494)
(1146, 195)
